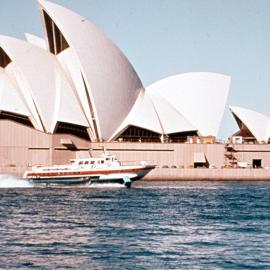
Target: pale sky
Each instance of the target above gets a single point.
(166, 37)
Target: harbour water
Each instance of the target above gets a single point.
(154, 225)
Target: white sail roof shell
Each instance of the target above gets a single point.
(257, 123)
(154, 113)
(112, 83)
(35, 40)
(182, 103)
(91, 81)
(171, 120)
(200, 97)
(143, 115)
(10, 100)
(71, 66)
(43, 85)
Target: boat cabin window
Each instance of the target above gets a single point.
(80, 163)
(72, 162)
(86, 162)
(92, 162)
(102, 161)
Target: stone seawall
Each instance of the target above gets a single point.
(208, 174)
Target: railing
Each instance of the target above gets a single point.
(135, 162)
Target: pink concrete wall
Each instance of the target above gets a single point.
(22, 146)
(248, 152)
(61, 154)
(167, 154)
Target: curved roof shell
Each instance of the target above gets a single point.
(154, 113)
(171, 120)
(142, 115)
(43, 86)
(191, 102)
(111, 83)
(71, 67)
(258, 124)
(87, 81)
(35, 40)
(10, 100)
(200, 97)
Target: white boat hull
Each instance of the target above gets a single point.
(124, 175)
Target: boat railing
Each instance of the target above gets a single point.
(136, 162)
(52, 168)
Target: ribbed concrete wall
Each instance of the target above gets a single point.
(166, 154)
(22, 146)
(60, 153)
(248, 152)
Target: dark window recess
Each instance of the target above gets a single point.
(16, 118)
(181, 137)
(256, 163)
(56, 40)
(201, 165)
(4, 59)
(73, 129)
(136, 134)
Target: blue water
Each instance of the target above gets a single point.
(183, 225)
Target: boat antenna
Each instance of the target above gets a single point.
(105, 150)
(90, 152)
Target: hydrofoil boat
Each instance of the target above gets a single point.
(100, 170)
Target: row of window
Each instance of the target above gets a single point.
(92, 162)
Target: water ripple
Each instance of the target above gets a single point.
(180, 225)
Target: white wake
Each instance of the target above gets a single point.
(7, 181)
(105, 185)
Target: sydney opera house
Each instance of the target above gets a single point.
(74, 91)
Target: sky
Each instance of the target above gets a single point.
(167, 37)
